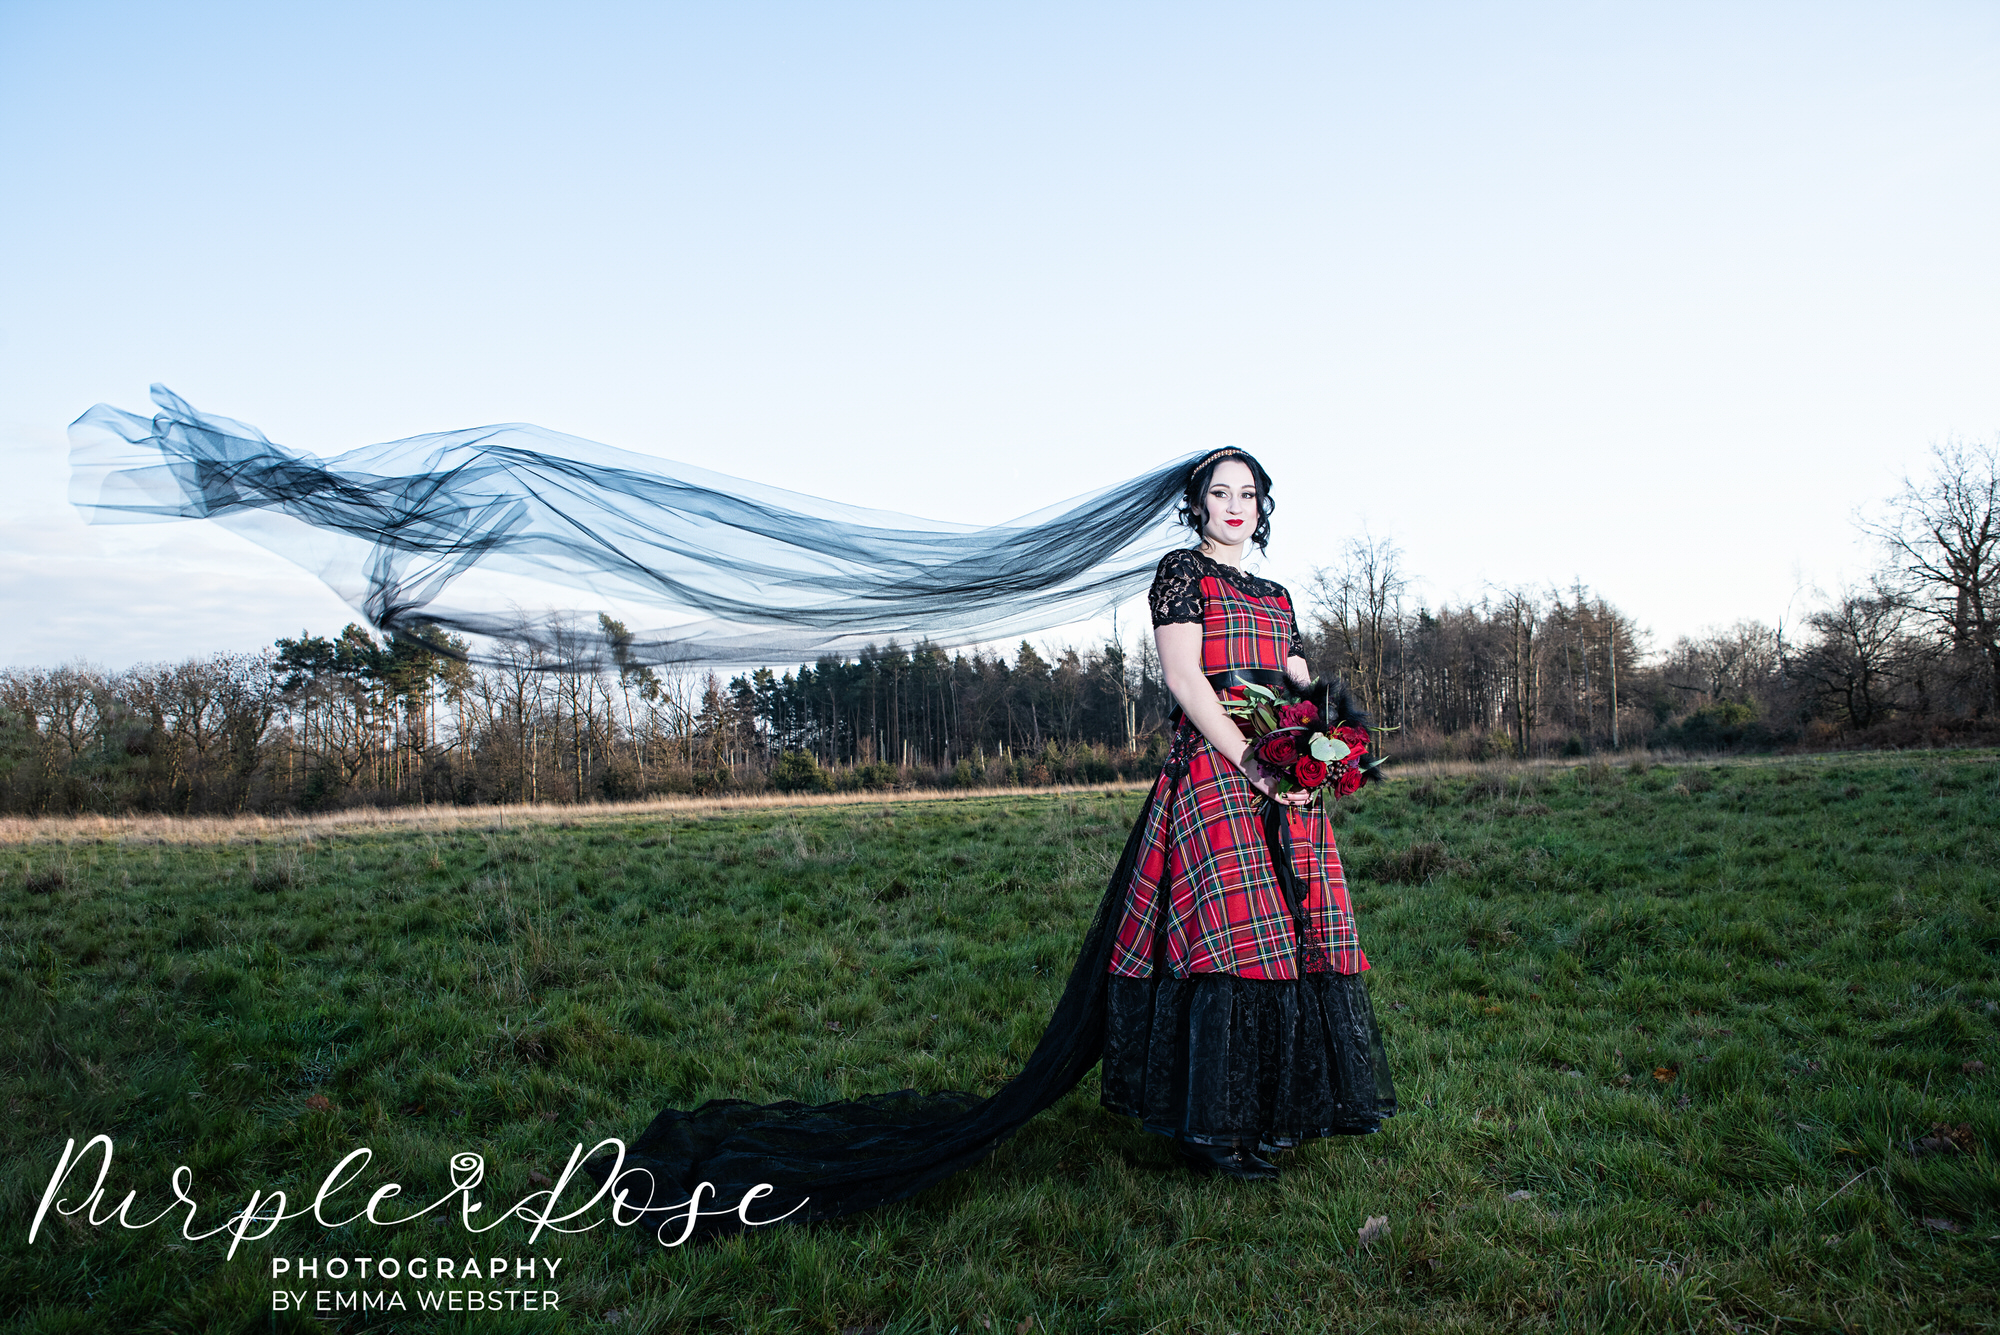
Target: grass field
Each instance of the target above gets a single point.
(1674, 1048)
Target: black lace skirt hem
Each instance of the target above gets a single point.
(1218, 1060)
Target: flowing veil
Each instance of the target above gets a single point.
(437, 532)
(445, 531)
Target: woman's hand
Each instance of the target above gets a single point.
(1300, 673)
(1266, 782)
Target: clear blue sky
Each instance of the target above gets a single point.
(1650, 296)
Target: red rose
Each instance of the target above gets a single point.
(1298, 715)
(1356, 739)
(1311, 773)
(1278, 750)
(1348, 783)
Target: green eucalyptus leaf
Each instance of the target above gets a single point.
(1329, 750)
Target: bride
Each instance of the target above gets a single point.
(1236, 1021)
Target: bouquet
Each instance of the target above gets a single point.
(1309, 741)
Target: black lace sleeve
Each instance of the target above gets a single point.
(1176, 594)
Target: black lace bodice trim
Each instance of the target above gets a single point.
(1176, 594)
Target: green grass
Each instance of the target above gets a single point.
(1699, 1013)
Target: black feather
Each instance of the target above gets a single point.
(1335, 701)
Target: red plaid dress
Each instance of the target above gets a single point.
(1206, 843)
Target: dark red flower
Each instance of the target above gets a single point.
(1347, 783)
(1310, 773)
(1279, 750)
(1298, 715)
(1356, 739)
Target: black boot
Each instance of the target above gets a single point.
(1238, 1161)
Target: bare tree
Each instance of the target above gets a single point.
(1943, 534)
(1523, 612)
(579, 684)
(1854, 664)
(1737, 664)
(1359, 602)
(54, 717)
(513, 690)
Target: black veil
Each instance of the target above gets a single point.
(448, 530)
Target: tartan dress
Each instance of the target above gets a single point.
(1223, 1026)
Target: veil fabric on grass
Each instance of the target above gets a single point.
(824, 1161)
(445, 532)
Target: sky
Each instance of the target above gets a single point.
(1657, 298)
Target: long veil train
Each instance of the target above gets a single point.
(832, 1159)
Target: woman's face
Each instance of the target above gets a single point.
(1230, 505)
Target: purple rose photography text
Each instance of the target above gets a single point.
(504, 1283)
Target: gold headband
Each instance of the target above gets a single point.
(1221, 453)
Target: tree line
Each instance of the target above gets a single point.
(1912, 657)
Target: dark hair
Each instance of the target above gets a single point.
(1194, 504)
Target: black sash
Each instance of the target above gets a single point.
(1222, 681)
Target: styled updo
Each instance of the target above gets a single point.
(1192, 503)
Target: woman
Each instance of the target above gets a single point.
(1236, 1021)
